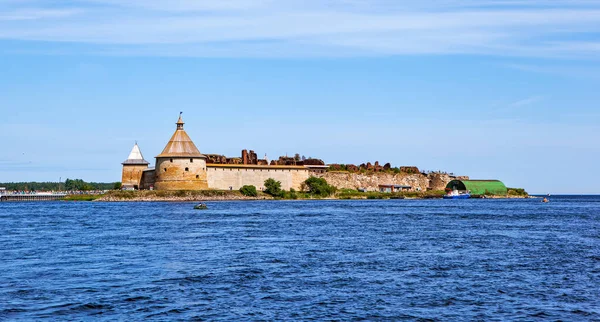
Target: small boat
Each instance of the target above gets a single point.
(200, 206)
(455, 194)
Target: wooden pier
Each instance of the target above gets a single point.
(32, 196)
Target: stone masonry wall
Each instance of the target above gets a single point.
(148, 179)
(371, 181)
(132, 174)
(172, 175)
(438, 181)
(222, 178)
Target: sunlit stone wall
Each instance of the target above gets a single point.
(132, 174)
(224, 177)
(180, 174)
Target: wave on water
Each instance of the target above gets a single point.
(418, 260)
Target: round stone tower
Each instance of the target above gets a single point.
(180, 166)
(133, 168)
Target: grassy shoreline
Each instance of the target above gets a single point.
(228, 195)
(82, 197)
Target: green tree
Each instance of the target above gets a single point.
(77, 184)
(292, 194)
(249, 191)
(273, 187)
(318, 186)
(117, 186)
(69, 185)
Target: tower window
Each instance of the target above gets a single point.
(187, 169)
(165, 169)
(197, 177)
(191, 160)
(171, 160)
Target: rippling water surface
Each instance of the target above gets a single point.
(301, 260)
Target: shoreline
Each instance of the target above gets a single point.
(220, 195)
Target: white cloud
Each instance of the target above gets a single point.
(36, 14)
(184, 5)
(561, 70)
(525, 102)
(312, 28)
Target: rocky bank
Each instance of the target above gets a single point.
(371, 181)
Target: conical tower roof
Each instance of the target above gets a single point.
(135, 156)
(180, 145)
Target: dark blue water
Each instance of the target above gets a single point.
(315, 260)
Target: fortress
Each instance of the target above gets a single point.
(181, 166)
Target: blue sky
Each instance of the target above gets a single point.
(503, 89)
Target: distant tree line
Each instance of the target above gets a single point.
(69, 185)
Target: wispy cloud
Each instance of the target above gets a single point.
(36, 14)
(525, 102)
(312, 28)
(509, 110)
(576, 71)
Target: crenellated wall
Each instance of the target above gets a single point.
(224, 177)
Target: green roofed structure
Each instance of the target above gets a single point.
(479, 187)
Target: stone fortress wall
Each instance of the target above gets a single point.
(148, 178)
(226, 173)
(371, 181)
(225, 177)
(181, 166)
(439, 180)
(180, 174)
(132, 175)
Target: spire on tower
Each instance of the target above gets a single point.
(180, 144)
(135, 156)
(180, 122)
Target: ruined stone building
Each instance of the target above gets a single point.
(181, 166)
